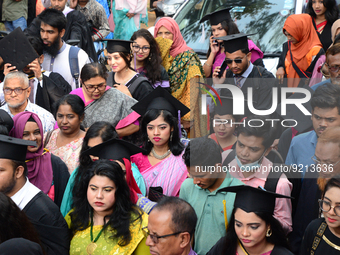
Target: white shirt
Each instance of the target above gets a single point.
(25, 194)
(60, 64)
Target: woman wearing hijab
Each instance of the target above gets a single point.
(46, 171)
(182, 64)
(301, 52)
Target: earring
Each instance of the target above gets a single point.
(269, 232)
(148, 139)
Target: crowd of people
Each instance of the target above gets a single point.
(117, 157)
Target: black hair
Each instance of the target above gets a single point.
(37, 44)
(153, 62)
(16, 164)
(229, 27)
(183, 215)
(326, 96)
(54, 18)
(259, 127)
(92, 70)
(245, 51)
(124, 211)
(127, 59)
(175, 144)
(334, 182)
(14, 222)
(76, 103)
(277, 237)
(332, 10)
(194, 155)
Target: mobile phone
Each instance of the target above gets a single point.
(215, 41)
(223, 67)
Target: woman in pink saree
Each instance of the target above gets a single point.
(162, 164)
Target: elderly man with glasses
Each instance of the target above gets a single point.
(171, 227)
(326, 165)
(16, 93)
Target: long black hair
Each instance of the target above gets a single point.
(92, 70)
(175, 144)
(332, 10)
(278, 236)
(124, 211)
(152, 63)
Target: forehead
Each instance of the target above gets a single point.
(236, 54)
(245, 217)
(333, 59)
(158, 120)
(14, 83)
(324, 150)
(326, 112)
(6, 164)
(31, 125)
(101, 181)
(163, 29)
(159, 221)
(216, 26)
(142, 41)
(250, 141)
(197, 171)
(47, 27)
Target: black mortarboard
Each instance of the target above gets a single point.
(14, 148)
(234, 42)
(304, 122)
(115, 45)
(218, 16)
(6, 120)
(162, 100)
(252, 199)
(114, 149)
(17, 50)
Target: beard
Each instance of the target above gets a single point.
(16, 106)
(9, 187)
(54, 48)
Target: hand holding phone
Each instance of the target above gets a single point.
(223, 67)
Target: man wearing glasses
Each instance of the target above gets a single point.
(16, 92)
(171, 227)
(326, 165)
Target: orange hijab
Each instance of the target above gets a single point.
(300, 26)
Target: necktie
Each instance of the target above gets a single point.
(238, 79)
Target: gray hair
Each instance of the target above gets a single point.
(17, 75)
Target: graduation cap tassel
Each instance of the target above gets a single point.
(179, 124)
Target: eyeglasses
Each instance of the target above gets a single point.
(333, 69)
(18, 91)
(326, 206)
(237, 61)
(318, 162)
(155, 238)
(136, 48)
(92, 88)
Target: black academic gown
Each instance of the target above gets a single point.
(142, 90)
(49, 223)
(54, 87)
(262, 88)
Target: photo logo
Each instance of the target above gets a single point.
(208, 92)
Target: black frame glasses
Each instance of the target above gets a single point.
(237, 61)
(144, 49)
(92, 88)
(17, 91)
(323, 203)
(318, 162)
(333, 69)
(155, 238)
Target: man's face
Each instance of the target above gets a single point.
(323, 118)
(51, 38)
(7, 177)
(249, 148)
(203, 179)
(328, 155)
(333, 62)
(238, 56)
(16, 99)
(58, 4)
(159, 225)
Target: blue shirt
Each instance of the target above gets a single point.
(301, 151)
(314, 87)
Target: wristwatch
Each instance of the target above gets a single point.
(40, 77)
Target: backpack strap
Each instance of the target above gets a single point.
(229, 158)
(272, 179)
(73, 60)
(318, 237)
(135, 82)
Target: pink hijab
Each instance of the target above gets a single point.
(179, 45)
(39, 166)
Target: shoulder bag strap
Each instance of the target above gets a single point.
(135, 82)
(301, 73)
(318, 237)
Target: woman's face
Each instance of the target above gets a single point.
(290, 38)
(332, 196)
(94, 142)
(222, 130)
(318, 7)
(218, 31)
(95, 87)
(101, 194)
(250, 229)
(165, 33)
(141, 47)
(32, 133)
(116, 62)
(158, 131)
(68, 121)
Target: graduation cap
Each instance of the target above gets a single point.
(304, 122)
(217, 17)
(14, 148)
(114, 149)
(17, 50)
(6, 120)
(160, 99)
(234, 42)
(115, 45)
(252, 199)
